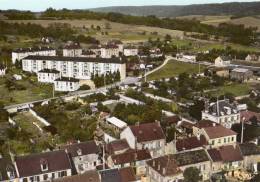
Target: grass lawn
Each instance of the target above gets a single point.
(174, 68)
(237, 89)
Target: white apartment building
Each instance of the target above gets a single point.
(130, 51)
(65, 84)
(21, 53)
(109, 51)
(75, 67)
(48, 75)
(72, 50)
(222, 112)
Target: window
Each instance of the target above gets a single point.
(45, 176)
(213, 142)
(31, 179)
(232, 139)
(53, 175)
(219, 140)
(25, 180)
(225, 140)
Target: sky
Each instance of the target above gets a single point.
(40, 5)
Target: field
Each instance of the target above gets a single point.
(174, 68)
(127, 33)
(237, 89)
(31, 91)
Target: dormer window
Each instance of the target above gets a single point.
(44, 165)
(79, 152)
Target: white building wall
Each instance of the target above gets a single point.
(130, 138)
(20, 55)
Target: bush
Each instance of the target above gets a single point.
(85, 87)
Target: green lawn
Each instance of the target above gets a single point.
(174, 68)
(237, 89)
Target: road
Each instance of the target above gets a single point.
(168, 58)
(82, 93)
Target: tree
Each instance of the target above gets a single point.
(191, 174)
(195, 110)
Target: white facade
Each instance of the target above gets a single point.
(130, 51)
(48, 77)
(109, 51)
(220, 62)
(2, 71)
(20, 54)
(85, 163)
(66, 84)
(80, 68)
(72, 52)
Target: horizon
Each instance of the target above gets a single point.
(32, 5)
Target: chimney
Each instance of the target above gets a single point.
(214, 124)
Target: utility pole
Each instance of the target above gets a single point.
(242, 131)
(104, 163)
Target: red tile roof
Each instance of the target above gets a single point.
(131, 156)
(230, 153)
(205, 124)
(89, 176)
(127, 174)
(117, 145)
(30, 165)
(147, 132)
(190, 143)
(214, 155)
(218, 132)
(165, 165)
(247, 116)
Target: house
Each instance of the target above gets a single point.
(196, 158)
(222, 61)
(251, 57)
(250, 117)
(116, 123)
(190, 143)
(48, 75)
(131, 158)
(251, 154)
(171, 167)
(7, 170)
(64, 84)
(78, 67)
(89, 176)
(130, 51)
(118, 175)
(43, 166)
(72, 50)
(2, 70)
(96, 49)
(218, 135)
(145, 136)
(118, 43)
(21, 53)
(241, 74)
(109, 51)
(117, 147)
(221, 112)
(228, 158)
(155, 53)
(85, 155)
(164, 169)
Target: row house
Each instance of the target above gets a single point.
(146, 136)
(75, 67)
(21, 53)
(132, 158)
(85, 155)
(221, 112)
(217, 135)
(72, 50)
(228, 158)
(171, 167)
(64, 84)
(43, 166)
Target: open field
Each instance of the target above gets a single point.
(237, 89)
(33, 91)
(174, 68)
(127, 33)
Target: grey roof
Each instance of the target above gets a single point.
(33, 49)
(110, 175)
(222, 107)
(48, 71)
(30, 165)
(249, 149)
(114, 60)
(67, 79)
